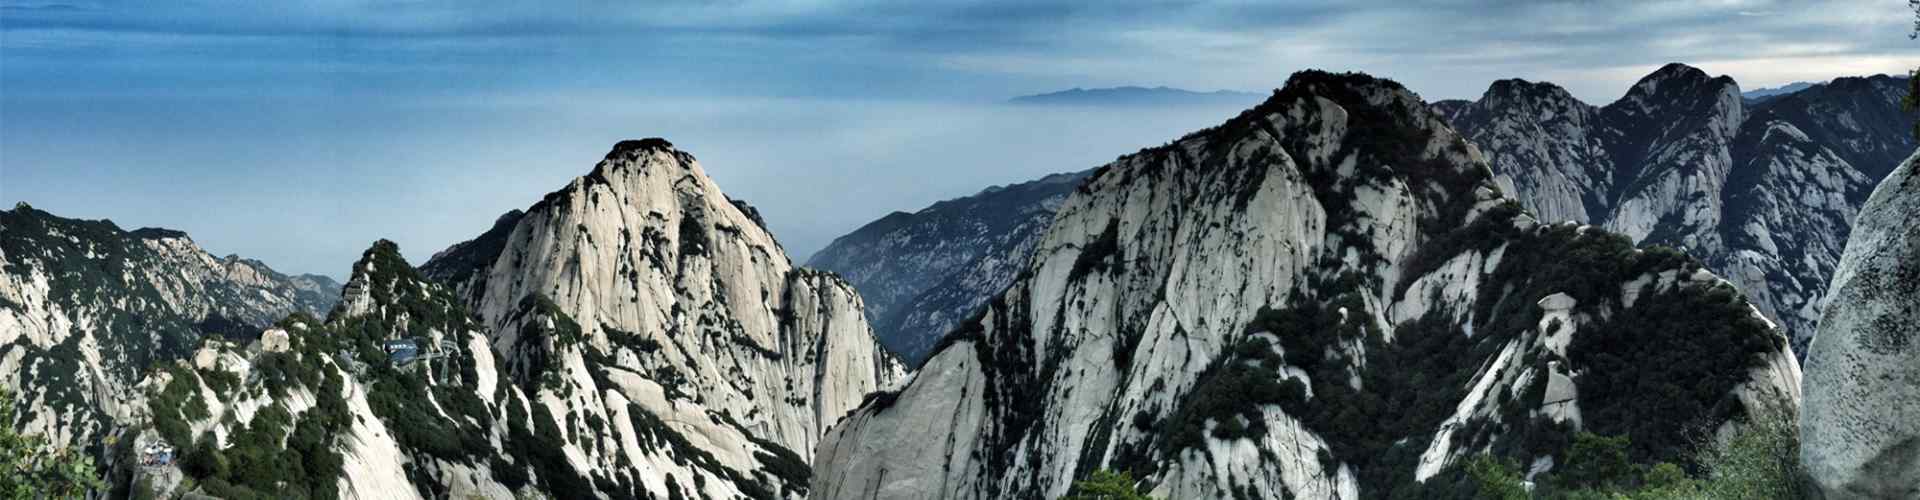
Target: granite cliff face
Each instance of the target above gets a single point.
(683, 306)
(1325, 297)
(1543, 142)
(636, 334)
(540, 405)
(922, 273)
(86, 307)
(1860, 439)
(326, 409)
(1682, 160)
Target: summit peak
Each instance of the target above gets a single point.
(640, 145)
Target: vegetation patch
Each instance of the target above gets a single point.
(1669, 365)
(1099, 254)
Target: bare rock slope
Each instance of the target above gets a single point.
(86, 308)
(1324, 297)
(1763, 191)
(922, 273)
(682, 306)
(1860, 439)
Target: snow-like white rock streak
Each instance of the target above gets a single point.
(85, 307)
(1150, 277)
(1764, 192)
(668, 279)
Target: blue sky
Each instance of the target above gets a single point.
(298, 132)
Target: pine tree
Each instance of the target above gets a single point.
(1105, 485)
(30, 469)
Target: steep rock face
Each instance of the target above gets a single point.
(1542, 141)
(1670, 139)
(86, 306)
(332, 409)
(1859, 437)
(1451, 109)
(326, 409)
(464, 264)
(924, 272)
(681, 306)
(1681, 160)
(1859, 118)
(457, 410)
(1789, 210)
(1800, 164)
(1324, 297)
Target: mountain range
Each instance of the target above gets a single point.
(1327, 296)
(1764, 195)
(87, 309)
(922, 273)
(1766, 92)
(1136, 96)
(634, 334)
(1344, 291)
(1763, 192)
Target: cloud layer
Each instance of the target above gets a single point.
(937, 48)
(301, 130)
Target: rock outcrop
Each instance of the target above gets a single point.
(1325, 297)
(922, 273)
(85, 307)
(634, 335)
(1859, 435)
(1682, 160)
(641, 288)
(1543, 142)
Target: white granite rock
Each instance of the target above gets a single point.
(1860, 435)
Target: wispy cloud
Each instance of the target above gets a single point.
(324, 117)
(1449, 47)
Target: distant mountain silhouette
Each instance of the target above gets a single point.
(1768, 92)
(1137, 96)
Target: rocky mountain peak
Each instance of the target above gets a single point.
(1518, 90)
(1346, 87)
(1681, 90)
(1674, 71)
(1547, 109)
(376, 280)
(1676, 79)
(157, 233)
(641, 292)
(1854, 83)
(86, 307)
(639, 145)
(508, 219)
(383, 252)
(631, 151)
(1539, 139)
(1331, 260)
(1682, 160)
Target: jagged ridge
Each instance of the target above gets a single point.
(640, 287)
(921, 274)
(1210, 314)
(1682, 160)
(86, 307)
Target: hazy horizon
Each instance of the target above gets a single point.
(298, 134)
